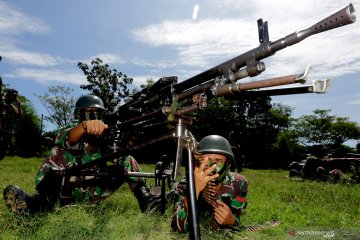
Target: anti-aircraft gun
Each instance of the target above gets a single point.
(163, 111)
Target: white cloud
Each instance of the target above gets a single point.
(198, 43)
(13, 22)
(355, 102)
(185, 33)
(108, 58)
(153, 64)
(48, 76)
(195, 12)
(141, 79)
(19, 56)
(281, 11)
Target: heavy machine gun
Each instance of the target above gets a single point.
(162, 112)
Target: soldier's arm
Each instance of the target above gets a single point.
(239, 202)
(94, 127)
(180, 212)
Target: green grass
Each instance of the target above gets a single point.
(298, 205)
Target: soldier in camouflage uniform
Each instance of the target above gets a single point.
(78, 145)
(220, 193)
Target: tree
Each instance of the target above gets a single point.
(59, 105)
(342, 130)
(10, 114)
(108, 84)
(323, 129)
(259, 124)
(24, 137)
(149, 83)
(282, 151)
(217, 118)
(27, 134)
(314, 129)
(252, 126)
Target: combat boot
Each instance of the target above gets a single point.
(148, 201)
(19, 202)
(143, 197)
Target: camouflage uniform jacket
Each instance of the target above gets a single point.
(232, 192)
(63, 156)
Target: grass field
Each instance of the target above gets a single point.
(306, 210)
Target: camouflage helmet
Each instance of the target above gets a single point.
(89, 101)
(216, 144)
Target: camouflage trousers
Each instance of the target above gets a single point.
(82, 187)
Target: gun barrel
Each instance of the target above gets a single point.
(229, 89)
(318, 86)
(338, 19)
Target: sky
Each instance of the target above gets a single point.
(42, 41)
